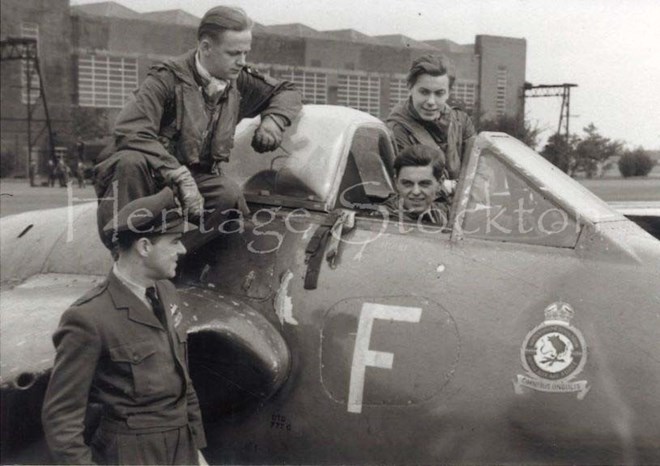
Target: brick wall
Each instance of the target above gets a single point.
(499, 57)
(54, 24)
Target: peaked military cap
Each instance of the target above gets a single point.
(157, 214)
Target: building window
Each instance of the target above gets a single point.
(349, 66)
(30, 31)
(500, 96)
(105, 81)
(313, 86)
(360, 92)
(398, 91)
(465, 90)
(316, 63)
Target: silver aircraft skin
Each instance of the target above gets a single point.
(322, 330)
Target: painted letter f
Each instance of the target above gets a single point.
(363, 356)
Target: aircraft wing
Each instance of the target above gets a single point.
(35, 307)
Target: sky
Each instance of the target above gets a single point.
(609, 48)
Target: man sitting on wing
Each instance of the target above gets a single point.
(419, 173)
(178, 128)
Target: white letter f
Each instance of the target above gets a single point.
(363, 356)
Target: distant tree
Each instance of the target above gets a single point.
(86, 124)
(90, 123)
(513, 126)
(593, 151)
(7, 164)
(635, 163)
(561, 152)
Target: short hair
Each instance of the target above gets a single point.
(420, 155)
(125, 240)
(428, 64)
(223, 18)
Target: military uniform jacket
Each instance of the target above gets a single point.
(451, 133)
(111, 349)
(172, 122)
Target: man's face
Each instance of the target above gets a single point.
(163, 255)
(225, 57)
(429, 95)
(417, 187)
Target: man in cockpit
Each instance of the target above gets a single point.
(420, 197)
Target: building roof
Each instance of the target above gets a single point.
(399, 40)
(259, 28)
(293, 29)
(112, 9)
(446, 45)
(180, 17)
(350, 35)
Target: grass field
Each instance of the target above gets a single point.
(620, 189)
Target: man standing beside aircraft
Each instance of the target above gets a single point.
(419, 172)
(119, 347)
(179, 127)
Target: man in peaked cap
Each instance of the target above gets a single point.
(122, 348)
(179, 127)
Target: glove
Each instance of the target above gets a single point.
(449, 186)
(268, 135)
(188, 193)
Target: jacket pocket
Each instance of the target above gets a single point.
(138, 356)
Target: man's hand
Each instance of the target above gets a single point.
(188, 193)
(268, 135)
(449, 186)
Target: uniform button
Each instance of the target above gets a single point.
(135, 357)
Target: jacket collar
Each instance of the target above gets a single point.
(184, 68)
(123, 298)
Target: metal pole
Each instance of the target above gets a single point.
(568, 111)
(42, 92)
(28, 75)
(561, 111)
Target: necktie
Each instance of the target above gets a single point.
(156, 304)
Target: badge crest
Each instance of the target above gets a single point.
(553, 354)
(178, 317)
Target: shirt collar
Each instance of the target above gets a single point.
(137, 289)
(212, 85)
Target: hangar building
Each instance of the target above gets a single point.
(93, 55)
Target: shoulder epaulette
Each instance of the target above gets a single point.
(267, 79)
(159, 66)
(91, 294)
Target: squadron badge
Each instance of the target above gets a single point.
(553, 354)
(178, 317)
